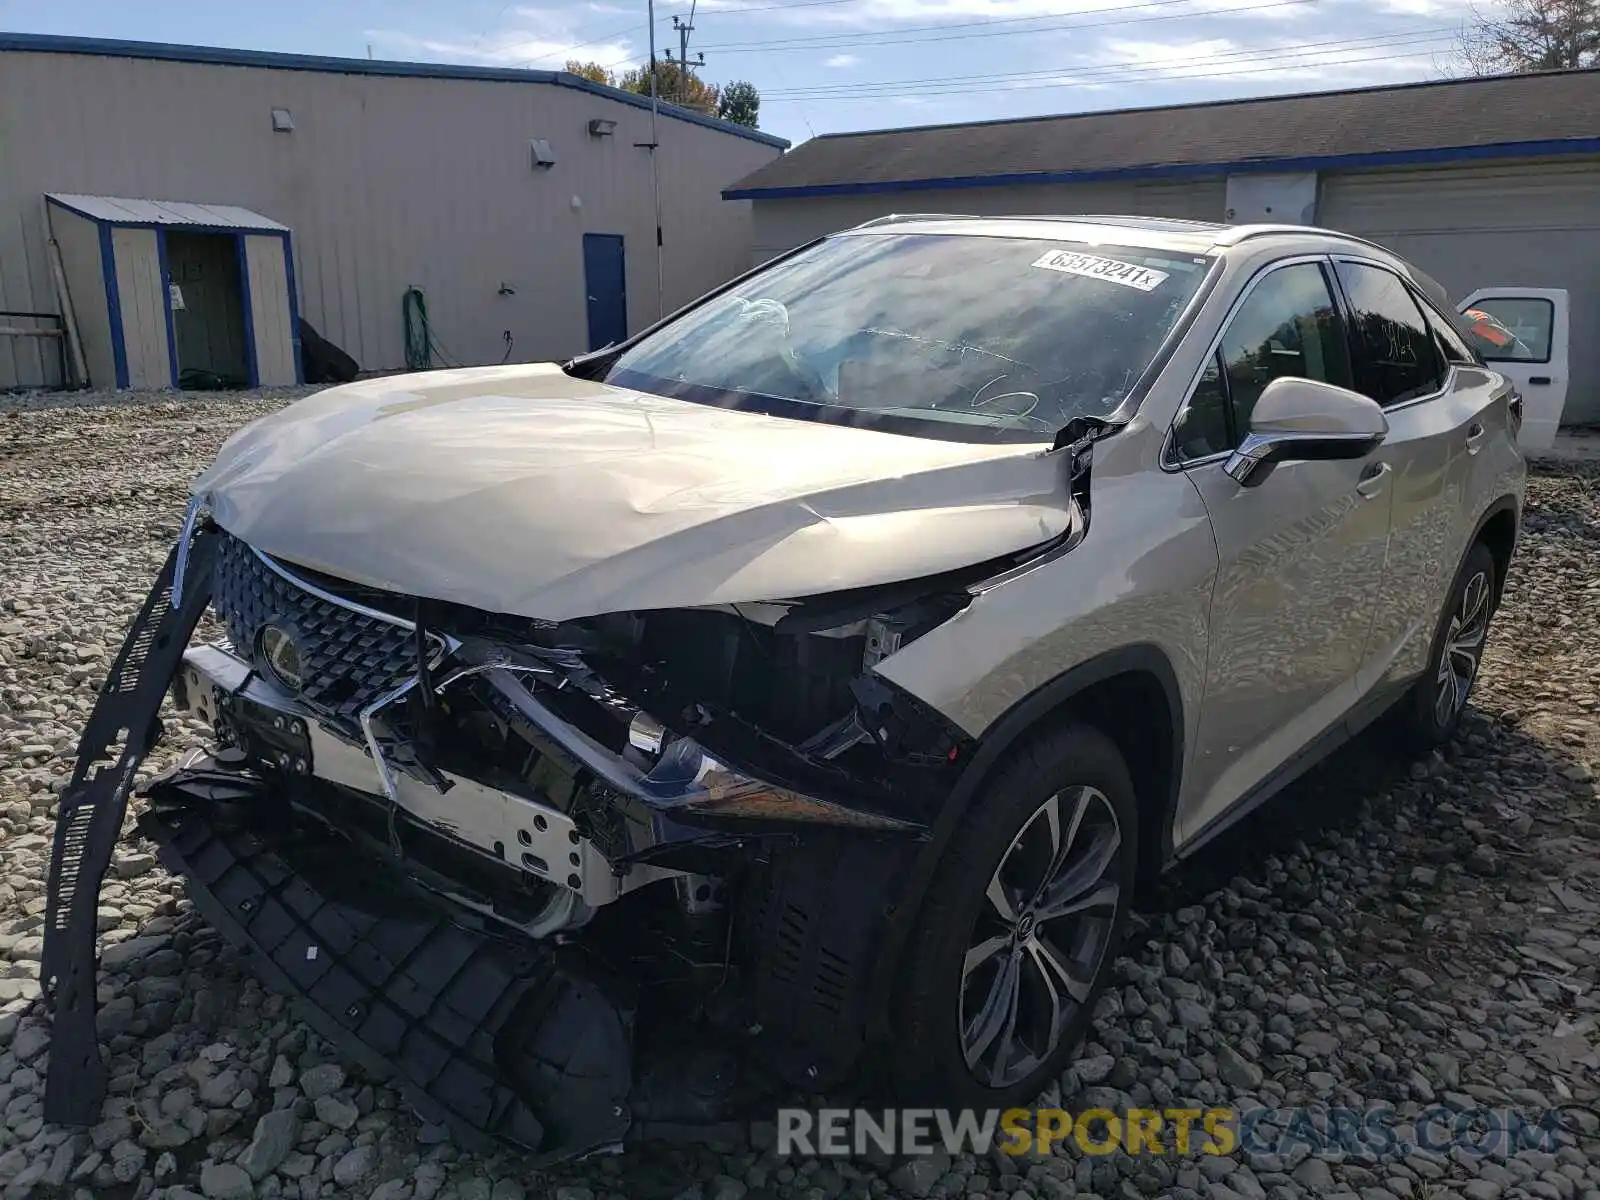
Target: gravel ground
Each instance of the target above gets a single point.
(1387, 933)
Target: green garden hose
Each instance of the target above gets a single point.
(419, 338)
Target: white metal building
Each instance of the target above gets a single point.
(520, 203)
(1478, 181)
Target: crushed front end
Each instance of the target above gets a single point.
(566, 882)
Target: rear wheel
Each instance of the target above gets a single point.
(1431, 713)
(1021, 922)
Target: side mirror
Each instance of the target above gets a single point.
(1301, 419)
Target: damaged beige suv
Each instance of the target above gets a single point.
(812, 676)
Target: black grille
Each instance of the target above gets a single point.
(347, 659)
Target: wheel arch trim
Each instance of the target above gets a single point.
(1505, 504)
(1003, 734)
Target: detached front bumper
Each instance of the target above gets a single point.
(499, 1033)
(495, 1037)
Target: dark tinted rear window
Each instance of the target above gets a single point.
(1396, 358)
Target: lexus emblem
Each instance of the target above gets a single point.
(280, 657)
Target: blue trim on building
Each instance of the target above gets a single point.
(1435, 156)
(252, 366)
(294, 308)
(166, 303)
(220, 56)
(108, 268)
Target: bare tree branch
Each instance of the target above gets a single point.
(1530, 35)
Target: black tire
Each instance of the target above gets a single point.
(1008, 824)
(1424, 719)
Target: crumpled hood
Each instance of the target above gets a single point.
(522, 490)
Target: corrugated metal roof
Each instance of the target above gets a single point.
(165, 212)
(1507, 116)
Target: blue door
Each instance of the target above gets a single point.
(604, 278)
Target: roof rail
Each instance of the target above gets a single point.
(1233, 235)
(896, 218)
(1172, 224)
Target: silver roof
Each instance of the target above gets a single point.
(165, 212)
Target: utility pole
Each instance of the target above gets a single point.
(684, 29)
(655, 169)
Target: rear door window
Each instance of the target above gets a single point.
(1452, 343)
(1396, 357)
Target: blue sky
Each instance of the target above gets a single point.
(830, 65)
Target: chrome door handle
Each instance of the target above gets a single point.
(1475, 437)
(1373, 480)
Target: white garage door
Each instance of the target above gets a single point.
(1531, 224)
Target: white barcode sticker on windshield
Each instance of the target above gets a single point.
(1128, 274)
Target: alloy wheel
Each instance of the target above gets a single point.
(1463, 647)
(1042, 931)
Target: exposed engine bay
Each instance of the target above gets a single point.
(714, 807)
(791, 702)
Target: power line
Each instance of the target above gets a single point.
(944, 29)
(1202, 68)
(1273, 66)
(477, 41)
(636, 26)
(566, 51)
(889, 86)
(852, 39)
(805, 117)
(1378, 40)
(734, 12)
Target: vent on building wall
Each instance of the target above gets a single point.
(282, 122)
(601, 127)
(540, 153)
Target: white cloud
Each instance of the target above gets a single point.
(1225, 58)
(842, 60)
(889, 13)
(1161, 56)
(1418, 8)
(546, 49)
(1260, 12)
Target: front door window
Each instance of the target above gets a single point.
(1287, 325)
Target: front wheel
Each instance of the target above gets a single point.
(1432, 711)
(1016, 937)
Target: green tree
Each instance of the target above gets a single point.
(1531, 35)
(740, 103)
(674, 86)
(592, 71)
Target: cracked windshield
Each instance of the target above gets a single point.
(959, 337)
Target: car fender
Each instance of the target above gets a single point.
(1024, 717)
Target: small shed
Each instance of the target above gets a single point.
(174, 294)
